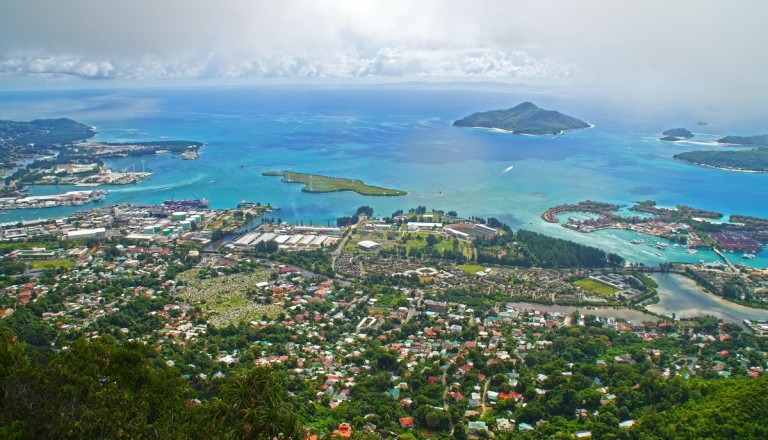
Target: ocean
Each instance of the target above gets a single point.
(401, 136)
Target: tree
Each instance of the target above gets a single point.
(254, 404)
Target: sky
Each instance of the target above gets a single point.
(681, 48)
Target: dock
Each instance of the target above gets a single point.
(727, 261)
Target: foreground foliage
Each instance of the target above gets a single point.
(105, 389)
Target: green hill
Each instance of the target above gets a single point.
(44, 131)
(678, 132)
(756, 141)
(747, 160)
(525, 118)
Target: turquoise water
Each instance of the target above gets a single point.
(401, 136)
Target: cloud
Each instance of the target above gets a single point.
(386, 62)
(686, 48)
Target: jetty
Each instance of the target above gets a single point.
(725, 258)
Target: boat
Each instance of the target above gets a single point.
(748, 256)
(657, 254)
(246, 204)
(660, 245)
(692, 251)
(188, 204)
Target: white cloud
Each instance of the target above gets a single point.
(386, 62)
(692, 49)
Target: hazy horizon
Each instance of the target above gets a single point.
(688, 53)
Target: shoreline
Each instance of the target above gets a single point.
(713, 167)
(504, 130)
(333, 184)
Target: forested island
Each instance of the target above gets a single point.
(322, 184)
(675, 134)
(19, 140)
(755, 160)
(678, 132)
(525, 118)
(752, 141)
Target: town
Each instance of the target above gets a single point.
(389, 326)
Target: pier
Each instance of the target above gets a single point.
(727, 261)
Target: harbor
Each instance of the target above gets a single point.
(69, 198)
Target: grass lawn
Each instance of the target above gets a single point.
(50, 264)
(471, 268)
(594, 286)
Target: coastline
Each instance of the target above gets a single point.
(504, 130)
(329, 184)
(736, 170)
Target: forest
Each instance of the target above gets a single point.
(748, 160)
(527, 249)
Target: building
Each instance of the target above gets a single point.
(368, 245)
(436, 306)
(485, 229)
(456, 233)
(417, 226)
(344, 431)
(86, 233)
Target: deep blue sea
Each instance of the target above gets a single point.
(402, 136)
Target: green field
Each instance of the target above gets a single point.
(320, 184)
(50, 264)
(595, 287)
(471, 268)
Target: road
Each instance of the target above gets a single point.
(343, 242)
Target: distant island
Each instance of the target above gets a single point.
(59, 152)
(752, 141)
(674, 134)
(525, 118)
(755, 160)
(320, 184)
(21, 140)
(702, 123)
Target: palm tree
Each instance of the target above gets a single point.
(254, 405)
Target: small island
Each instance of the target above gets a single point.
(750, 141)
(320, 184)
(755, 160)
(525, 118)
(683, 225)
(675, 134)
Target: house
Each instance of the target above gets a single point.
(505, 425)
(406, 422)
(368, 245)
(475, 427)
(626, 424)
(344, 431)
(582, 434)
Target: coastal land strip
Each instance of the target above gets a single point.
(750, 161)
(321, 184)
